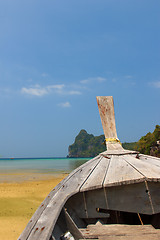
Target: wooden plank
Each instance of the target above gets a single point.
(150, 236)
(129, 198)
(149, 156)
(150, 171)
(78, 221)
(154, 191)
(115, 230)
(84, 204)
(45, 224)
(76, 204)
(120, 172)
(106, 111)
(118, 152)
(46, 201)
(95, 200)
(113, 146)
(96, 179)
(60, 227)
(72, 227)
(149, 159)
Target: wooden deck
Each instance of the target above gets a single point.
(120, 232)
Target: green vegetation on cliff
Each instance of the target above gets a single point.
(149, 144)
(129, 146)
(86, 145)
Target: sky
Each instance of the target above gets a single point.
(56, 56)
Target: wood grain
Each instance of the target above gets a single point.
(120, 172)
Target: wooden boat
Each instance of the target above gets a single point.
(115, 195)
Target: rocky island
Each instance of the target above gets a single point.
(86, 145)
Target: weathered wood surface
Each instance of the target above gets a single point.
(129, 198)
(72, 227)
(150, 159)
(84, 204)
(118, 169)
(150, 171)
(106, 111)
(143, 156)
(95, 180)
(114, 146)
(118, 152)
(137, 237)
(94, 200)
(120, 172)
(120, 231)
(79, 175)
(150, 236)
(154, 192)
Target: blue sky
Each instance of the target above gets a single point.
(57, 56)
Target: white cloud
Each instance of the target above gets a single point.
(64, 105)
(97, 79)
(155, 84)
(34, 91)
(39, 91)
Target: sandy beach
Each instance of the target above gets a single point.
(19, 199)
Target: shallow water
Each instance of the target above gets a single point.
(28, 169)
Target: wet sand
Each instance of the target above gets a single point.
(20, 198)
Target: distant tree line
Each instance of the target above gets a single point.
(88, 145)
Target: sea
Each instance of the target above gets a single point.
(19, 169)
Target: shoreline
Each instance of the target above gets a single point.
(23, 176)
(20, 199)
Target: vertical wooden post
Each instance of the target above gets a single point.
(106, 110)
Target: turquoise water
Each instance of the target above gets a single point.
(40, 165)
